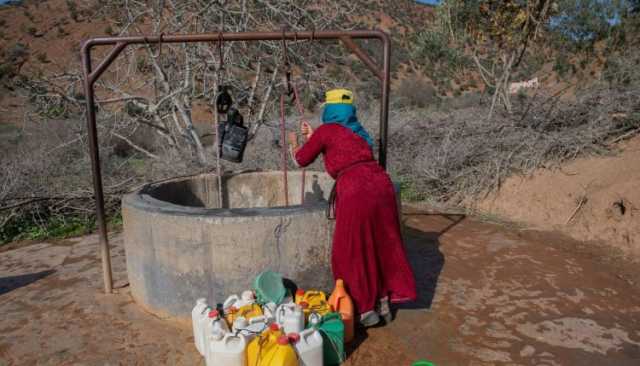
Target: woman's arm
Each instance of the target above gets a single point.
(308, 153)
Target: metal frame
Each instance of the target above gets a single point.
(120, 43)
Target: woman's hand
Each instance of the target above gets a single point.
(306, 130)
(293, 140)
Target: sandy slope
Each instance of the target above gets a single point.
(608, 187)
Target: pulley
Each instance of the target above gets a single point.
(223, 101)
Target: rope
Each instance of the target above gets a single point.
(283, 138)
(290, 89)
(217, 120)
(301, 112)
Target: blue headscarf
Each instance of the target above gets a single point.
(345, 115)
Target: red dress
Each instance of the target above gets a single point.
(368, 253)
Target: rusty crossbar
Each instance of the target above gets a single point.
(120, 43)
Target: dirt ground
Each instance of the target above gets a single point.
(489, 295)
(592, 199)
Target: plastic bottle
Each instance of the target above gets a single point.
(229, 350)
(198, 317)
(341, 303)
(291, 318)
(309, 348)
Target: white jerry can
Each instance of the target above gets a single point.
(199, 315)
(250, 328)
(269, 311)
(291, 318)
(246, 298)
(309, 348)
(213, 324)
(227, 350)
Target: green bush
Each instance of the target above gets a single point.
(562, 65)
(432, 50)
(28, 227)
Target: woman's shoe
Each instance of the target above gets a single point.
(369, 319)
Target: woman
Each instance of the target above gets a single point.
(367, 253)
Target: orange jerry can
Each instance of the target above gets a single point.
(341, 302)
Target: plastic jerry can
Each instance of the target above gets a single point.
(198, 317)
(250, 328)
(214, 327)
(341, 302)
(262, 344)
(269, 310)
(309, 348)
(317, 301)
(230, 315)
(299, 296)
(246, 298)
(228, 350)
(314, 320)
(281, 354)
(231, 301)
(250, 311)
(291, 318)
(214, 323)
(332, 330)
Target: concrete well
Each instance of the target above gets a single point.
(180, 246)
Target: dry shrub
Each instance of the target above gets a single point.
(417, 93)
(449, 157)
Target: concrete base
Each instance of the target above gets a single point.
(179, 247)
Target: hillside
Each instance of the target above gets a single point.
(448, 145)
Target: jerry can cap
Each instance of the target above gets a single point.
(283, 340)
(214, 314)
(300, 292)
(304, 304)
(293, 337)
(274, 327)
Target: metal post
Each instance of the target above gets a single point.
(384, 105)
(120, 43)
(97, 175)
